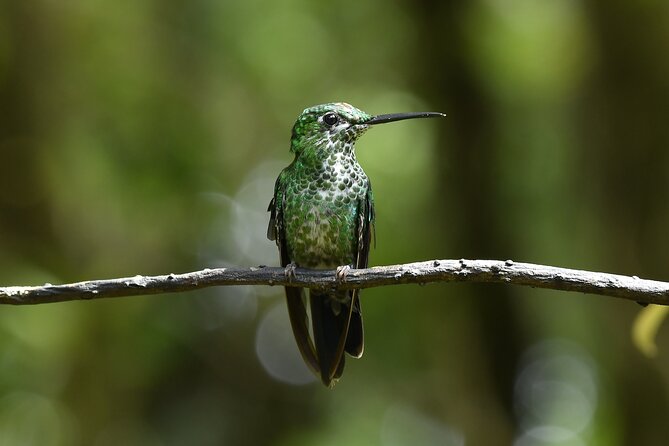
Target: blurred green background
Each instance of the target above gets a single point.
(145, 137)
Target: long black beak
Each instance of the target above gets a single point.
(382, 119)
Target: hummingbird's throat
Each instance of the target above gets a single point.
(347, 135)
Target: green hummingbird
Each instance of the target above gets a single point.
(322, 216)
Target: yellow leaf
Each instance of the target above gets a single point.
(645, 328)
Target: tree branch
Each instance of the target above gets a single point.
(485, 271)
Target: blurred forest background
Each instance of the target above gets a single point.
(145, 137)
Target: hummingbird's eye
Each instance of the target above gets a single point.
(330, 118)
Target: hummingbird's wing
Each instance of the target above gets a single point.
(365, 228)
(294, 297)
(355, 339)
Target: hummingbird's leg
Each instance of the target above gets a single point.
(289, 272)
(342, 272)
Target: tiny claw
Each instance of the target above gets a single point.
(342, 272)
(289, 272)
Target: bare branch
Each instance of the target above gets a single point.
(485, 271)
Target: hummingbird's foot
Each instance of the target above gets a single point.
(342, 272)
(289, 272)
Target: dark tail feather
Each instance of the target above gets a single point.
(328, 328)
(355, 342)
(299, 322)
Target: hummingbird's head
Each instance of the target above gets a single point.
(336, 127)
(334, 124)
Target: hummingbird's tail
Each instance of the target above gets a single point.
(337, 328)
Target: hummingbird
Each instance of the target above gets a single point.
(322, 217)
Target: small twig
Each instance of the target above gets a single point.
(486, 271)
